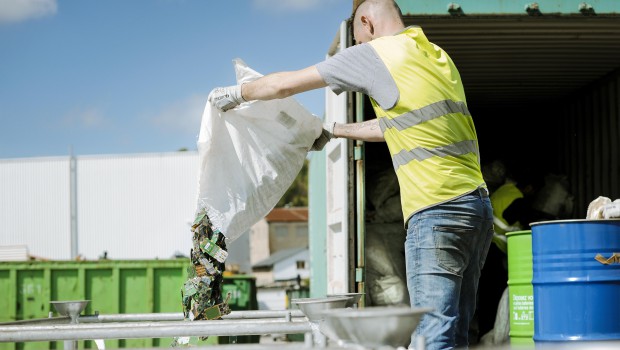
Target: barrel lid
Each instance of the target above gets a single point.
(598, 221)
(514, 233)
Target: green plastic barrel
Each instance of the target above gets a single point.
(520, 290)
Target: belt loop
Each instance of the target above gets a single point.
(484, 192)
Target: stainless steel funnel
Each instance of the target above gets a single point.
(374, 327)
(71, 308)
(311, 306)
(355, 298)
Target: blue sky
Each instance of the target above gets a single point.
(132, 76)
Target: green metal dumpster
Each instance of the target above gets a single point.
(112, 286)
(242, 290)
(295, 293)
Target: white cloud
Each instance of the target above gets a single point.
(21, 10)
(289, 5)
(85, 119)
(184, 115)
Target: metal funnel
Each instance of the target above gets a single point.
(311, 306)
(355, 298)
(374, 327)
(332, 328)
(71, 308)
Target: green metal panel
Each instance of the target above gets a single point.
(66, 285)
(296, 294)
(31, 297)
(317, 223)
(134, 285)
(112, 286)
(166, 296)
(7, 303)
(470, 7)
(242, 290)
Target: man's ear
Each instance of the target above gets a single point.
(366, 22)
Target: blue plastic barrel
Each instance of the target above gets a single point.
(576, 280)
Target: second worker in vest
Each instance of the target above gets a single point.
(422, 115)
(512, 211)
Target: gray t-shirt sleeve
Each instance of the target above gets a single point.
(359, 68)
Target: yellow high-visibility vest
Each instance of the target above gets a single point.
(429, 132)
(501, 199)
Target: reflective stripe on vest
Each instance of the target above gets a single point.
(419, 153)
(429, 132)
(415, 117)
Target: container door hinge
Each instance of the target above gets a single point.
(358, 153)
(359, 274)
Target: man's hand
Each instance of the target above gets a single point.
(225, 98)
(326, 135)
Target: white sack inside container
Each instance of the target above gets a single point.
(249, 156)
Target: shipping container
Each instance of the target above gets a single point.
(542, 82)
(112, 287)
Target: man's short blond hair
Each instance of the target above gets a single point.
(385, 8)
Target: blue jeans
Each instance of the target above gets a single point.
(445, 250)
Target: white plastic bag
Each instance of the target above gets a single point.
(595, 208)
(249, 156)
(603, 208)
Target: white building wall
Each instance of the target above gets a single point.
(34, 205)
(136, 206)
(132, 206)
(239, 254)
(271, 298)
(287, 268)
(259, 241)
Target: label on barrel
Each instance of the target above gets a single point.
(522, 309)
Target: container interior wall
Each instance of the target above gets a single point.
(577, 136)
(590, 151)
(521, 138)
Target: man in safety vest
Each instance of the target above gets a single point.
(422, 115)
(512, 211)
(512, 207)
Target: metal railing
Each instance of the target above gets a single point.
(115, 326)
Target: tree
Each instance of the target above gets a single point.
(297, 194)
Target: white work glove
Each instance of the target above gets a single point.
(326, 135)
(225, 98)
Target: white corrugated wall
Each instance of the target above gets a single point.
(34, 206)
(136, 206)
(130, 206)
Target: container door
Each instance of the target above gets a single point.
(337, 187)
